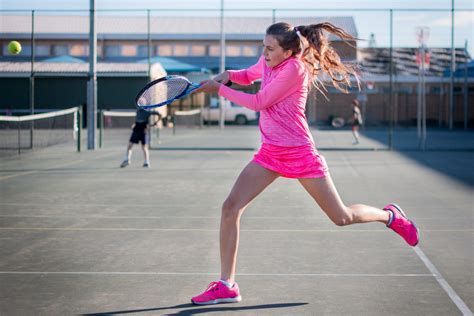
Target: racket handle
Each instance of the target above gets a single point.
(228, 83)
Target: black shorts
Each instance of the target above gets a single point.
(139, 134)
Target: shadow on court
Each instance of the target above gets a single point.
(190, 309)
(447, 152)
(458, 167)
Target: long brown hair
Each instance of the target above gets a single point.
(318, 55)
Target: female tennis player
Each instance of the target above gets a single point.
(292, 59)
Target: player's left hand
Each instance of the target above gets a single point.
(209, 86)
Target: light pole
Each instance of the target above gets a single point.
(453, 68)
(222, 67)
(422, 61)
(92, 82)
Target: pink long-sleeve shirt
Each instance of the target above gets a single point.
(281, 100)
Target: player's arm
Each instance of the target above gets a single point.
(243, 77)
(155, 118)
(284, 84)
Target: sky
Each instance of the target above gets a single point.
(405, 23)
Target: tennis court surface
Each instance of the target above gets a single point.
(79, 235)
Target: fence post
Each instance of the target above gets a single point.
(32, 77)
(390, 106)
(222, 67)
(92, 80)
(453, 68)
(149, 43)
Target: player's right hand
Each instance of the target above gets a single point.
(222, 77)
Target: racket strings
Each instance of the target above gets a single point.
(162, 92)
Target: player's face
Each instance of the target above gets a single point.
(273, 53)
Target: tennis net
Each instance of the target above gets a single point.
(28, 132)
(115, 126)
(190, 118)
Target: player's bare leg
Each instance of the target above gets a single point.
(250, 183)
(146, 155)
(128, 156)
(323, 191)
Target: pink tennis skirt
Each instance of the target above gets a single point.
(292, 162)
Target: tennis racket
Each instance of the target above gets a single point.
(164, 91)
(338, 122)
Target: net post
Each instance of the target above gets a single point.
(19, 137)
(201, 118)
(174, 124)
(101, 127)
(79, 129)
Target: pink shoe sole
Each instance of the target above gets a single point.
(219, 301)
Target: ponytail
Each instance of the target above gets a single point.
(320, 56)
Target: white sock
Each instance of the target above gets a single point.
(128, 156)
(356, 136)
(228, 284)
(390, 218)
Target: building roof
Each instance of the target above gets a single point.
(463, 70)
(377, 60)
(173, 65)
(53, 26)
(213, 63)
(23, 69)
(64, 59)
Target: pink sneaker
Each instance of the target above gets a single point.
(216, 293)
(402, 225)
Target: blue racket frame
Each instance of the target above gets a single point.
(190, 88)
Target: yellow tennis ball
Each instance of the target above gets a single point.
(14, 47)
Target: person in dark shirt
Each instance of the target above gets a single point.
(140, 135)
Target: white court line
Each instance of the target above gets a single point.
(159, 217)
(216, 230)
(181, 206)
(186, 229)
(443, 283)
(250, 217)
(18, 174)
(39, 170)
(215, 273)
(311, 207)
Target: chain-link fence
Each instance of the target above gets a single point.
(52, 69)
